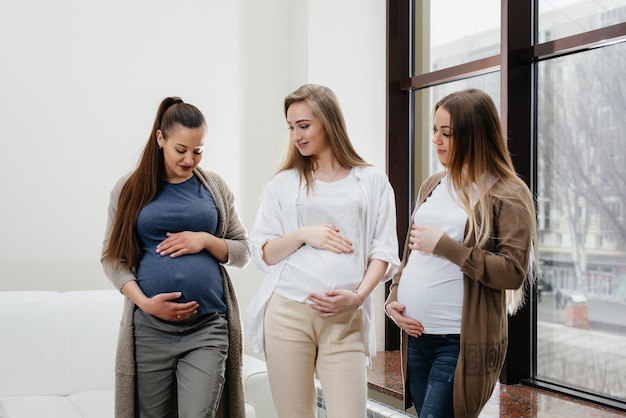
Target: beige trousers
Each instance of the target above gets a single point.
(298, 344)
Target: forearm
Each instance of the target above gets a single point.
(502, 265)
(393, 289)
(118, 276)
(133, 292)
(276, 250)
(216, 247)
(237, 244)
(375, 271)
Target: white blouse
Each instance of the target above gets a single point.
(279, 215)
(311, 270)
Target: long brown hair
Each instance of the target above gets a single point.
(141, 187)
(479, 158)
(325, 107)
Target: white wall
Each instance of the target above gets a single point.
(80, 83)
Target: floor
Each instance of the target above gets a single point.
(507, 400)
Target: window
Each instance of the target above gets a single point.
(581, 154)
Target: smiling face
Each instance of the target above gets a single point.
(306, 130)
(182, 151)
(442, 136)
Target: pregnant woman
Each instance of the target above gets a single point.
(172, 227)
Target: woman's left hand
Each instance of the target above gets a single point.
(334, 302)
(424, 238)
(181, 243)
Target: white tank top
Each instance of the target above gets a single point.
(431, 287)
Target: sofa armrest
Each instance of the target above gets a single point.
(257, 387)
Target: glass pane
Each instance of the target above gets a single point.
(561, 18)
(581, 304)
(445, 39)
(425, 99)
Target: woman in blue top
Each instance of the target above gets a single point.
(326, 235)
(172, 227)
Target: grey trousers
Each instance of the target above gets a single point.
(180, 365)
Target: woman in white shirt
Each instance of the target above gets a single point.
(325, 234)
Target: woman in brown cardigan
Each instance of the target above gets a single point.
(468, 257)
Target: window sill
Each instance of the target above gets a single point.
(385, 376)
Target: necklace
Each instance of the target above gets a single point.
(330, 179)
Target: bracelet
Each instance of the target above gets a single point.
(360, 298)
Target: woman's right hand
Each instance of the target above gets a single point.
(395, 310)
(424, 238)
(163, 307)
(326, 237)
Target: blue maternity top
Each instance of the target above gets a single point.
(186, 206)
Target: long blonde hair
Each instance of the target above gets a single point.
(325, 107)
(479, 158)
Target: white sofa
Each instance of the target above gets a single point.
(57, 352)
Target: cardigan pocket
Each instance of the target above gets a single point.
(484, 358)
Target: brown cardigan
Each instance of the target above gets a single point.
(234, 234)
(487, 273)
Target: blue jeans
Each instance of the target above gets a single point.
(430, 373)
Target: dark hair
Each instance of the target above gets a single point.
(123, 243)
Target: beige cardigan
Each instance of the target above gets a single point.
(487, 273)
(234, 234)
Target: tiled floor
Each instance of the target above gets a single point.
(507, 400)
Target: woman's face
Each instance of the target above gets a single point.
(182, 152)
(442, 136)
(306, 131)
